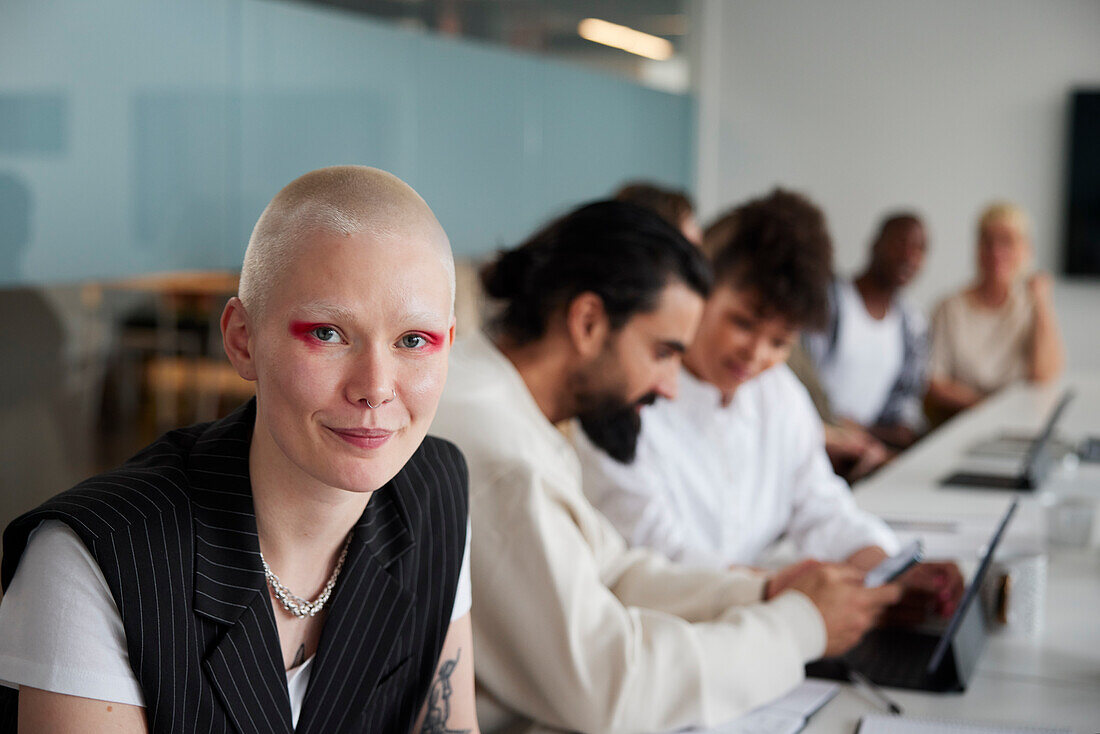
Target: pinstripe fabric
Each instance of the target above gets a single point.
(174, 533)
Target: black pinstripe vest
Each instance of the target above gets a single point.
(174, 533)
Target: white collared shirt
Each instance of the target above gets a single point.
(715, 485)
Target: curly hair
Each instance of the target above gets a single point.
(777, 246)
(624, 253)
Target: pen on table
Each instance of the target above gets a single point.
(862, 681)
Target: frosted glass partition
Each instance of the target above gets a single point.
(146, 135)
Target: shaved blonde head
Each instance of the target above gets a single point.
(339, 200)
(1008, 213)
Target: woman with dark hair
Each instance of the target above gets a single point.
(298, 565)
(738, 459)
(674, 207)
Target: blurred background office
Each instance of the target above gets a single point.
(140, 138)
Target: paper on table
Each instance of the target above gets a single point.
(785, 715)
(806, 699)
(761, 721)
(879, 724)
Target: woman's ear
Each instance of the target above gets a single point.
(237, 338)
(587, 324)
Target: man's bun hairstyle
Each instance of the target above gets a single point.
(622, 252)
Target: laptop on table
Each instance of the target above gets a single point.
(1028, 475)
(923, 659)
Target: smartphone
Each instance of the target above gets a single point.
(894, 566)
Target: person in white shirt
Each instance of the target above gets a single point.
(575, 631)
(737, 461)
(163, 596)
(871, 356)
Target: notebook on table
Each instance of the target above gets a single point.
(786, 715)
(882, 724)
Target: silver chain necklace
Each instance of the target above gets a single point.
(295, 604)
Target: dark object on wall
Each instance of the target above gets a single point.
(1082, 253)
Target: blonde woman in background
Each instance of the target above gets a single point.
(999, 330)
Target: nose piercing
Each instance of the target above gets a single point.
(393, 394)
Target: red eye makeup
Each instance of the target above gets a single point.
(306, 331)
(433, 340)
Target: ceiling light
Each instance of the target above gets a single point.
(627, 39)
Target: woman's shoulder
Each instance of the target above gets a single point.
(953, 311)
(150, 489)
(437, 468)
(953, 302)
(441, 453)
(429, 497)
(146, 484)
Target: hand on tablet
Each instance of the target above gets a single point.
(847, 607)
(941, 581)
(928, 589)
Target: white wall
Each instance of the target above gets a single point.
(869, 105)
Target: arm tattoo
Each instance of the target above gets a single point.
(439, 701)
(299, 657)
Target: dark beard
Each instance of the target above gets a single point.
(615, 428)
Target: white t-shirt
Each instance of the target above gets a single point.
(865, 361)
(715, 485)
(61, 631)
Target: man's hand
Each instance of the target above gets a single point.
(781, 580)
(940, 584)
(927, 588)
(873, 456)
(854, 451)
(847, 608)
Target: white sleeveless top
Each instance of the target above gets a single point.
(865, 360)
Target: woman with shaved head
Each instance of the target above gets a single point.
(299, 565)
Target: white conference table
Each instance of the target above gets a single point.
(1050, 680)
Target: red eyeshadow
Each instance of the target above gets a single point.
(434, 339)
(303, 330)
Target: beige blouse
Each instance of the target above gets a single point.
(985, 348)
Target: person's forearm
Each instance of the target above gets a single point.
(952, 395)
(1047, 351)
(601, 664)
(598, 667)
(897, 435)
(694, 593)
